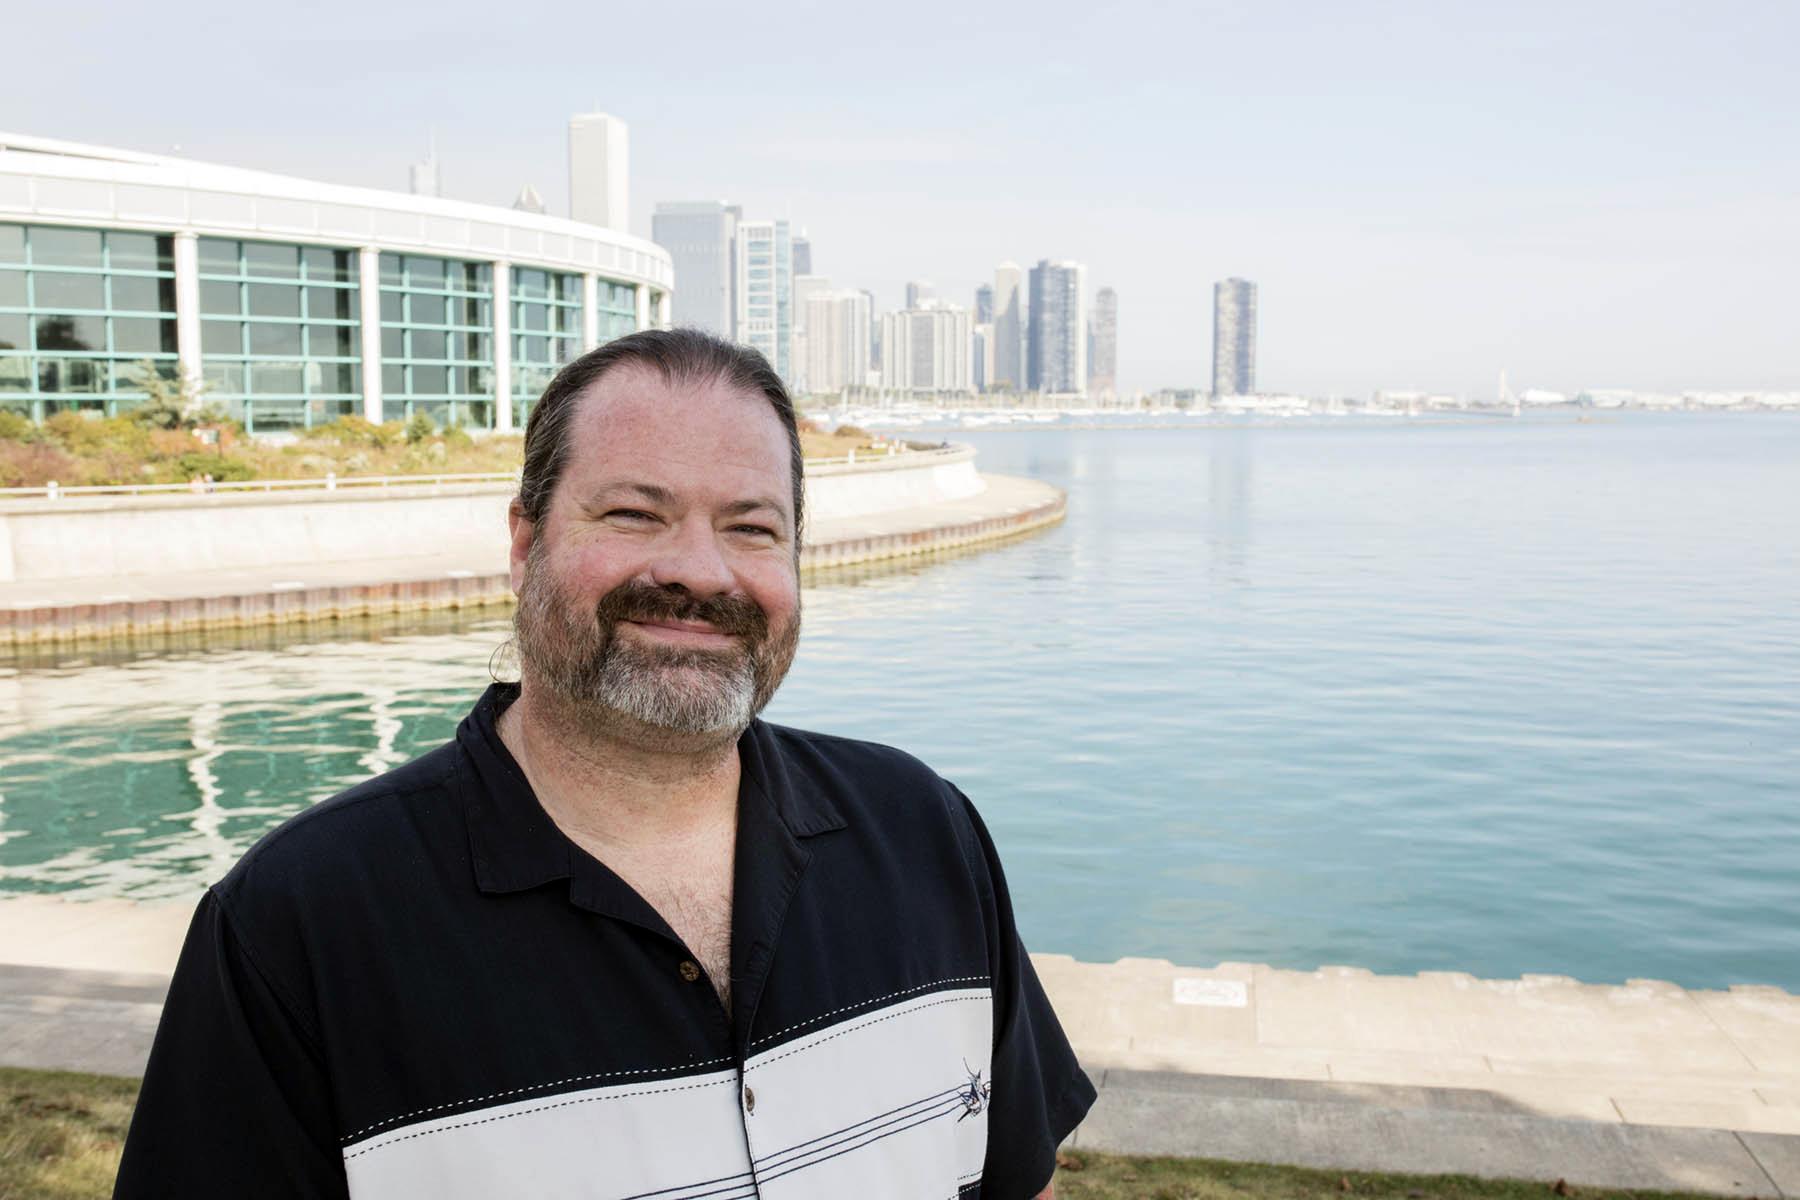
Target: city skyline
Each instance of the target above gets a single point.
(1427, 198)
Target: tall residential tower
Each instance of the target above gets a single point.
(1056, 345)
(1234, 337)
(700, 237)
(600, 171)
(1103, 344)
(1008, 349)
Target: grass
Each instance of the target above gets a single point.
(60, 1136)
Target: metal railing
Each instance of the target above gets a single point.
(328, 483)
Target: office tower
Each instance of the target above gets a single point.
(984, 304)
(700, 237)
(1234, 337)
(874, 336)
(529, 201)
(599, 171)
(1056, 344)
(1103, 352)
(764, 281)
(1009, 329)
(802, 256)
(926, 349)
(981, 355)
(918, 291)
(805, 287)
(837, 340)
(422, 176)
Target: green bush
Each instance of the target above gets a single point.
(16, 427)
(419, 426)
(457, 436)
(358, 431)
(199, 462)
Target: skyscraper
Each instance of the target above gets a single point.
(802, 255)
(804, 288)
(599, 171)
(1056, 345)
(1234, 337)
(764, 282)
(1103, 354)
(837, 340)
(926, 349)
(984, 304)
(1009, 329)
(918, 291)
(981, 355)
(700, 236)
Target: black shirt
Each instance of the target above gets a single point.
(422, 988)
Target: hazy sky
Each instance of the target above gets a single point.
(1588, 195)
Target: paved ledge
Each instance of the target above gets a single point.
(147, 606)
(1644, 1085)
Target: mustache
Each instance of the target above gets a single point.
(739, 616)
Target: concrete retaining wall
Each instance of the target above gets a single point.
(119, 537)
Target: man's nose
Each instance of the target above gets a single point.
(689, 555)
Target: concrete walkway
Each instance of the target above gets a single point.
(38, 612)
(1644, 1085)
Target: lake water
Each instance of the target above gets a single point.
(1483, 695)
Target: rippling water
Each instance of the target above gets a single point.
(1474, 695)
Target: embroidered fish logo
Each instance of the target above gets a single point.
(974, 1097)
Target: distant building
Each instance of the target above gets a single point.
(529, 200)
(599, 171)
(1234, 337)
(1103, 344)
(874, 338)
(422, 176)
(981, 355)
(1008, 371)
(837, 340)
(804, 288)
(802, 254)
(1056, 344)
(926, 349)
(701, 238)
(918, 291)
(764, 282)
(984, 304)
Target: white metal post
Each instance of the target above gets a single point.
(590, 311)
(368, 275)
(503, 400)
(643, 306)
(187, 309)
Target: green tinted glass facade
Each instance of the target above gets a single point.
(546, 331)
(81, 310)
(437, 339)
(280, 339)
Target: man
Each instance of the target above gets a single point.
(619, 938)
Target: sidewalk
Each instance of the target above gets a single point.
(1646, 1085)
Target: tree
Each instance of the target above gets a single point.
(170, 403)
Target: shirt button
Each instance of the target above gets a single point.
(749, 1101)
(689, 971)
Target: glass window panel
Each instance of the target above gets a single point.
(218, 296)
(139, 293)
(143, 335)
(427, 343)
(264, 258)
(337, 378)
(428, 381)
(274, 339)
(425, 272)
(223, 376)
(478, 277)
(566, 350)
(12, 288)
(329, 341)
(273, 300)
(390, 307)
(65, 247)
(479, 313)
(221, 337)
(393, 342)
(71, 333)
(15, 374)
(427, 310)
(218, 256)
(275, 379)
(481, 380)
(55, 290)
(12, 243)
(322, 263)
(568, 320)
(331, 304)
(393, 379)
(568, 287)
(71, 375)
(533, 316)
(533, 283)
(140, 251)
(15, 331)
(458, 380)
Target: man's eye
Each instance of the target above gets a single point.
(630, 514)
(760, 530)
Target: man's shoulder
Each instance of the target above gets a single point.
(366, 832)
(874, 786)
(863, 762)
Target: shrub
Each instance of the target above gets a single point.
(852, 431)
(457, 437)
(419, 426)
(358, 431)
(33, 464)
(16, 427)
(198, 462)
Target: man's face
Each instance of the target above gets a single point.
(661, 585)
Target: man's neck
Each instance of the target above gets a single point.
(613, 788)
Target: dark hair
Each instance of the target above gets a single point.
(679, 356)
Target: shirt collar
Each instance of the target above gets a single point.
(515, 845)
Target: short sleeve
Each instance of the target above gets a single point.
(235, 1100)
(1040, 1092)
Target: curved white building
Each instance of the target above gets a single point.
(294, 302)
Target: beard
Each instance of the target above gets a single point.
(674, 690)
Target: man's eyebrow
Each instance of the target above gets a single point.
(738, 508)
(647, 491)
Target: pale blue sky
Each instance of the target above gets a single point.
(1588, 195)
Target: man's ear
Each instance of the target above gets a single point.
(522, 531)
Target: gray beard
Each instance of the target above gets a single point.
(711, 696)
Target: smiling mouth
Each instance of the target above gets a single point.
(688, 631)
